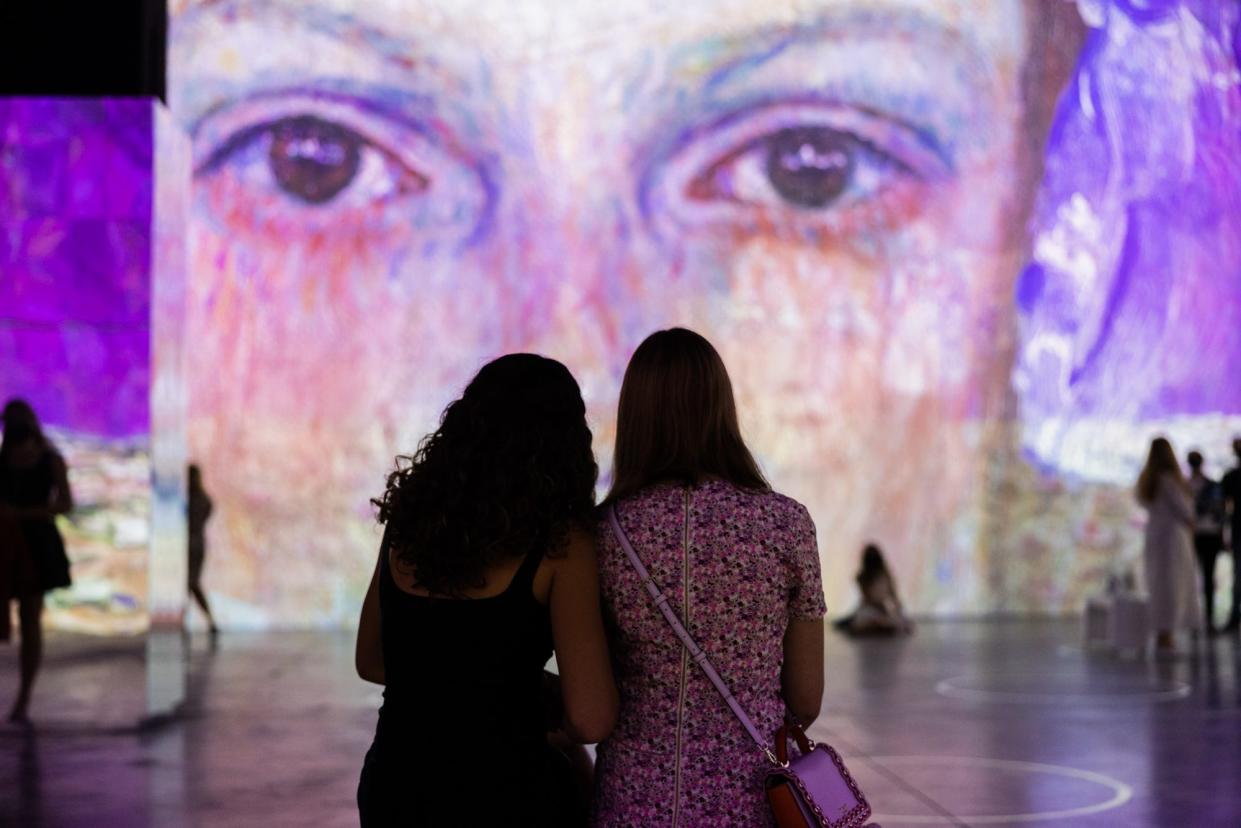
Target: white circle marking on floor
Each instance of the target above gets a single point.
(951, 688)
(1121, 793)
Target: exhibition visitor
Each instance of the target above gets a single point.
(487, 567)
(198, 510)
(1167, 552)
(737, 562)
(879, 610)
(1231, 487)
(1208, 499)
(34, 490)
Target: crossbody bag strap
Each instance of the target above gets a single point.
(695, 652)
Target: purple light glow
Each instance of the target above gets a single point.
(75, 253)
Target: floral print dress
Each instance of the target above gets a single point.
(737, 566)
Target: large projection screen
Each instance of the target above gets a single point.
(963, 259)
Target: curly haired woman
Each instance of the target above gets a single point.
(487, 566)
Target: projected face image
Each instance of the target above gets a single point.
(388, 194)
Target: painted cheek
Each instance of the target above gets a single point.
(319, 332)
(850, 341)
(804, 346)
(257, 218)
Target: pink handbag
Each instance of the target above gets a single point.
(814, 789)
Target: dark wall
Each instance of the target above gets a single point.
(83, 48)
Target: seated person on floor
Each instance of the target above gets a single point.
(880, 611)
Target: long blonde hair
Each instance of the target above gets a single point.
(1160, 461)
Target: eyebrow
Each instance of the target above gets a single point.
(746, 50)
(705, 79)
(412, 60)
(304, 15)
(702, 80)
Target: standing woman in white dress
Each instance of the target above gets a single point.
(1168, 552)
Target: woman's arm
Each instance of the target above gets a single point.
(802, 676)
(62, 495)
(369, 654)
(590, 696)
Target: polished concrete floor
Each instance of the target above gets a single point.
(964, 724)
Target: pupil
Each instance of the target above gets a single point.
(313, 159)
(809, 166)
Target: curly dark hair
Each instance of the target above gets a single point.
(509, 471)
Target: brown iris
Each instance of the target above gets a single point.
(312, 159)
(809, 166)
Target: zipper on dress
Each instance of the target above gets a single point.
(676, 790)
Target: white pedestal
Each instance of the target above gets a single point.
(1130, 622)
(1096, 622)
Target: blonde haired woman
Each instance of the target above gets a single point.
(1168, 549)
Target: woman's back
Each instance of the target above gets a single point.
(491, 568)
(748, 563)
(465, 668)
(1169, 516)
(1171, 577)
(29, 483)
(463, 687)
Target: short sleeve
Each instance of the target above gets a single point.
(806, 601)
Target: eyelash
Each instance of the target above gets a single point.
(255, 144)
(386, 163)
(712, 182)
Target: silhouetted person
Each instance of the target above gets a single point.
(1168, 548)
(1231, 488)
(1208, 531)
(34, 489)
(737, 561)
(880, 611)
(487, 567)
(198, 509)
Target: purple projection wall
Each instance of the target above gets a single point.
(75, 201)
(77, 207)
(1132, 305)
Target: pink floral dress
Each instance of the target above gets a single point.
(737, 565)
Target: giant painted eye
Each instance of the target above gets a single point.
(802, 166)
(280, 165)
(315, 161)
(805, 167)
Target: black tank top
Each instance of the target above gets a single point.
(462, 739)
(462, 670)
(31, 487)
